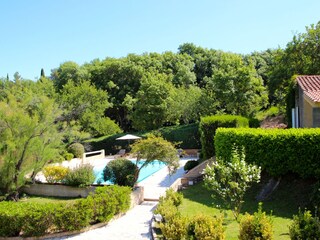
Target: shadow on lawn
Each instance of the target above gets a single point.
(291, 194)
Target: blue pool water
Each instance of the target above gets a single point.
(144, 173)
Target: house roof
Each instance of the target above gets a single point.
(310, 84)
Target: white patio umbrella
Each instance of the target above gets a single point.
(128, 137)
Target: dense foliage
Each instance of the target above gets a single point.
(304, 226)
(77, 149)
(36, 219)
(55, 174)
(80, 176)
(278, 151)
(175, 226)
(257, 226)
(184, 136)
(120, 171)
(208, 126)
(190, 164)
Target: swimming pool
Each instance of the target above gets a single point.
(144, 173)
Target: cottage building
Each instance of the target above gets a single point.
(307, 111)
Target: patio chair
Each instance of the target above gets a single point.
(121, 153)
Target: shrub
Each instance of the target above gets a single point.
(39, 219)
(175, 229)
(203, 227)
(74, 216)
(77, 149)
(278, 151)
(108, 201)
(68, 156)
(36, 219)
(120, 171)
(28, 219)
(190, 164)
(54, 174)
(80, 176)
(304, 226)
(257, 226)
(11, 219)
(208, 126)
(172, 195)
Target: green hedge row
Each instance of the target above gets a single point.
(36, 219)
(208, 126)
(278, 151)
(188, 136)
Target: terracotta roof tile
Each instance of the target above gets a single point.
(310, 84)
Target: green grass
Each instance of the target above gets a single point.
(38, 199)
(284, 203)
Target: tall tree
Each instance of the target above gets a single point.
(300, 57)
(42, 73)
(150, 110)
(236, 85)
(68, 71)
(85, 105)
(29, 138)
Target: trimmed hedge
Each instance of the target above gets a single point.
(208, 126)
(278, 151)
(36, 219)
(187, 135)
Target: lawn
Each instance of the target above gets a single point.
(38, 199)
(284, 203)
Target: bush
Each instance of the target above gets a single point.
(36, 219)
(208, 126)
(167, 210)
(190, 164)
(108, 201)
(80, 176)
(203, 227)
(278, 151)
(68, 156)
(28, 219)
(54, 174)
(172, 195)
(11, 219)
(77, 149)
(175, 229)
(120, 171)
(74, 216)
(257, 226)
(39, 219)
(304, 226)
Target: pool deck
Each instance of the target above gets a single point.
(135, 224)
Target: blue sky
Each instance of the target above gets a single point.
(39, 34)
